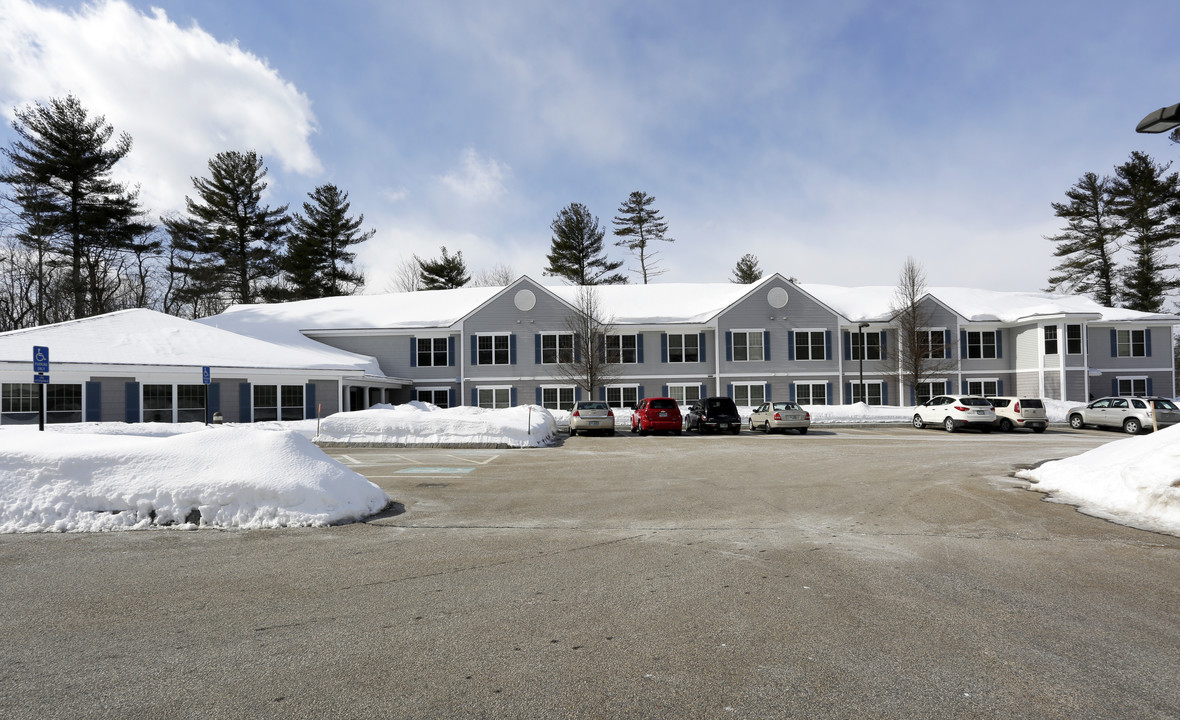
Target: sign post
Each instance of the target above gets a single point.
(205, 378)
(41, 378)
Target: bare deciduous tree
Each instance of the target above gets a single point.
(589, 367)
(923, 353)
(499, 275)
(407, 276)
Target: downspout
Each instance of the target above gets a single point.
(716, 359)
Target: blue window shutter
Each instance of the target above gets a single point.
(883, 353)
(884, 391)
(963, 344)
(946, 343)
(540, 400)
(704, 390)
(512, 350)
(664, 390)
(828, 399)
(729, 390)
(639, 347)
(1114, 343)
(602, 347)
(641, 395)
(1147, 341)
(999, 387)
(512, 397)
(913, 396)
(1149, 385)
(93, 401)
(964, 383)
(766, 393)
(413, 351)
(309, 401)
(946, 387)
(790, 345)
(578, 394)
(577, 347)
(245, 403)
(847, 345)
(537, 350)
(1114, 386)
(701, 346)
(474, 350)
(602, 394)
(999, 344)
(664, 348)
(827, 344)
(451, 397)
(215, 398)
(451, 351)
(131, 396)
(766, 345)
(474, 397)
(728, 346)
(791, 394)
(847, 393)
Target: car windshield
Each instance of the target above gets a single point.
(1032, 403)
(662, 404)
(720, 404)
(1164, 404)
(786, 406)
(974, 402)
(592, 406)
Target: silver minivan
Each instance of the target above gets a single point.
(1132, 414)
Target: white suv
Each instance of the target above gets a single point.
(955, 412)
(1020, 412)
(1133, 415)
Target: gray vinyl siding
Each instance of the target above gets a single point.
(1026, 341)
(1053, 385)
(1101, 355)
(113, 401)
(997, 364)
(1028, 383)
(501, 316)
(1075, 386)
(229, 404)
(392, 352)
(327, 396)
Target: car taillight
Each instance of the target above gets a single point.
(1016, 407)
(960, 408)
(777, 416)
(807, 416)
(610, 413)
(576, 414)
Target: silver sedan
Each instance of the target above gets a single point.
(780, 416)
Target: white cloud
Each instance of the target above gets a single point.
(479, 180)
(181, 94)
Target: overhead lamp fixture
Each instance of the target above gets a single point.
(1161, 120)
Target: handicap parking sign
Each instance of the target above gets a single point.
(40, 359)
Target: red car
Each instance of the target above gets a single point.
(654, 414)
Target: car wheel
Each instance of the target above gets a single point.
(1075, 422)
(642, 430)
(634, 427)
(949, 424)
(918, 422)
(610, 432)
(737, 430)
(1006, 425)
(573, 432)
(765, 428)
(677, 431)
(802, 431)
(1039, 429)
(1131, 426)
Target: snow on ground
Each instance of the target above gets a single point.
(1134, 481)
(418, 423)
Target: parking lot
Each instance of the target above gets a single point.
(852, 572)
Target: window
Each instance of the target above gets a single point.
(872, 349)
(435, 396)
(618, 396)
(493, 350)
(749, 394)
(811, 393)
(981, 344)
(872, 391)
(1133, 387)
(1073, 339)
(810, 345)
(157, 403)
(927, 390)
(292, 397)
(987, 388)
(494, 398)
(1050, 339)
(684, 394)
(747, 346)
(557, 348)
(557, 398)
(684, 348)
(190, 403)
(266, 402)
(18, 403)
(433, 352)
(931, 344)
(1132, 343)
(621, 349)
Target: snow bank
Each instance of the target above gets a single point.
(418, 423)
(65, 481)
(1134, 481)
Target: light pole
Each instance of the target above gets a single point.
(1161, 120)
(861, 355)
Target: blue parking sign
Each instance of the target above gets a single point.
(205, 375)
(40, 359)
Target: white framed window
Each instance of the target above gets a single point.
(811, 393)
(684, 348)
(435, 396)
(872, 393)
(558, 398)
(872, 349)
(1132, 386)
(981, 344)
(494, 398)
(618, 396)
(1050, 339)
(157, 403)
(622, 349)
(1131, 343)
(190, 403)
(811, 345)
(987, 387)
(930, 389)
(493, 349)
(931, 343)
(18, 403)
(277, 402)
(684, 394)
(749, 394)
(433, 352)
(747, 346)
(1073, 340)
(557, 348)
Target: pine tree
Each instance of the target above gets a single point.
(1144, 199)
(576, 250)
(1088, 242)
(639, 225)
(62, 162)
(318, 262)
(746, 271)
(230, 244)
(445, 273)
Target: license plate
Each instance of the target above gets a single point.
(978, 412)
(593, 423)
(663, 414)
(723, 426)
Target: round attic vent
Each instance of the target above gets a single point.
(524, 300)
(777, 297)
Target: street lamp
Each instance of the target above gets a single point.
(1160, 121)
(861, 355)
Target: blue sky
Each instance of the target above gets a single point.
(832, 140)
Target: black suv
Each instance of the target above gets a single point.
(714, 414)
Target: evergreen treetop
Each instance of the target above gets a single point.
(638, 224)
(576, 253)
(747, 270)
(444, 273)
(318, 262)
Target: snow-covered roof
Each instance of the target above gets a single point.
(660, 303)
(147, 337)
